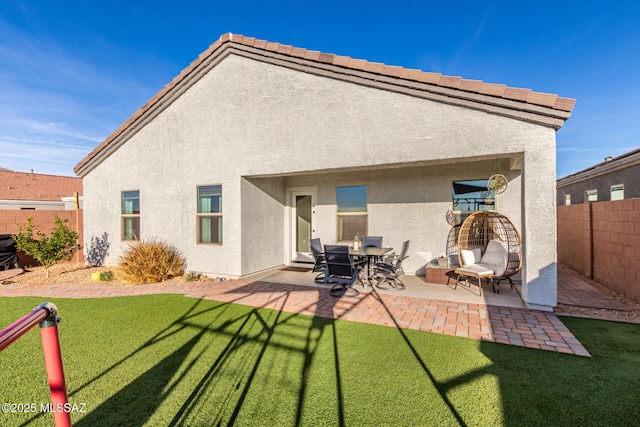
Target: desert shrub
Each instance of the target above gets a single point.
(150, 262)
(97, 250)
(60, 245)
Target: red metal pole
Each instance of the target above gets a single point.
(20, 327)
(53, 363)
(46, 314)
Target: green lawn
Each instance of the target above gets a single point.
(170, 360)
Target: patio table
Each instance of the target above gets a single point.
(369, 253)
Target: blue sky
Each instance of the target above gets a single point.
(72, 71)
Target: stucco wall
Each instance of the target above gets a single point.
(247, 118)
(263, 224)
(407, 203)
(539, 228)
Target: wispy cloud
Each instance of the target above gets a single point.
(54, 106)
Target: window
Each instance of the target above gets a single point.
(591, 196)
(209, 216)
(352, 212)
(131, 215)
(567, 199)
(617, 192)
(471, 196)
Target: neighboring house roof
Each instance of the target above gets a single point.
(35, 186)
(524, 104)
(623, 161)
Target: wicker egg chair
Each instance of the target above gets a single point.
(483, 226)
(452, 243)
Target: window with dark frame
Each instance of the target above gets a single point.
(591, 195)
(470, 196)
(617, 192)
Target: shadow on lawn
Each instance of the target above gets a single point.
(441, 387)
(138, 401)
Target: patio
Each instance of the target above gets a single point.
(432, 308)
(416, 287)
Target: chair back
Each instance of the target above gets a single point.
(372, 242)
(316, 248)
(405, 249)
(318, 255)
(338, 261)
(403, 255)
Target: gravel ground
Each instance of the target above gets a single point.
(64, 274)
(632, 315)
(80, 274)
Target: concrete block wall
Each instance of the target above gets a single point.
(616, 245)
(574, 237)
(602, 241)
(11, 220)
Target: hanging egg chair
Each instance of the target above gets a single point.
(452, 243)
(480, 228)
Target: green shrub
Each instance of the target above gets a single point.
(106, 276)
(192, 276)
(150, 262)
(60, 245)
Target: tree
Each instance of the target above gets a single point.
(60, 245)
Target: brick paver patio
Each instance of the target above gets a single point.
(513, 326)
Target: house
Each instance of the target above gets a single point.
(256, 147)
(615, 178)
(34, 191)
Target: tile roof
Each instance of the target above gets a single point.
(476, 89)
(35, 186)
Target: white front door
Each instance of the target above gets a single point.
(303, 223)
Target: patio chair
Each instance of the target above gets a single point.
(372, 241)
(489, 247)
(320, 262)
(390, 269)
(341, 270)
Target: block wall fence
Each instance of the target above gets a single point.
(602, 241)
(10, 220)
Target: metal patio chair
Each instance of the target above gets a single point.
(341, 271)
(320, 261)
(390, 269)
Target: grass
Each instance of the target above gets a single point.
(169, 360)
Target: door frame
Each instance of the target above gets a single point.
(290, 237)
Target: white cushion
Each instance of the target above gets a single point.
(470, 257)
(476, 270)
(496, 254)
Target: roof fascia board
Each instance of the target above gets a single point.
(30, 202)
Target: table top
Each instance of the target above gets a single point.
(369, 251)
